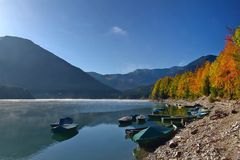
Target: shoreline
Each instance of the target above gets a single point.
(216, 136)
(70, 99)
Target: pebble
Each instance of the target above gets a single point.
(173, 144)
(178, 154)
(194, 131)
(205, 138)
(234, 111)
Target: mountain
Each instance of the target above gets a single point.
(26, 65)
(9, 92)
(145, 77)
(142, 92)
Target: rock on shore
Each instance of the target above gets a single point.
(216, 136)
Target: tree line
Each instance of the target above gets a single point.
(218, 79)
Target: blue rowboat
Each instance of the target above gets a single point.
(64, 125)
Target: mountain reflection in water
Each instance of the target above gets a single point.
(25, 130)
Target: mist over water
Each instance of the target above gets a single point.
(25, 131)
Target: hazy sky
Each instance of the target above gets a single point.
(118, 36)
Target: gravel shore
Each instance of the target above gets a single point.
(216, 136)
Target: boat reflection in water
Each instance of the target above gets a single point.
(164, 126)
(27, 122)
(64, 136)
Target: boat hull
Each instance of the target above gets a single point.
(151, 142)
(132, 132)
(157, 117)
(64, 129)
(54, 124)
(125, 122)
(179, 119)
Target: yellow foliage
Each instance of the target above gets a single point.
(222, 77)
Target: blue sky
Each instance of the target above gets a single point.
(118, 36)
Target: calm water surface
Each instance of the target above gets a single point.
(25, 131)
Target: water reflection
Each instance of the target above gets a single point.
(173, 111)
(64, 136)
(25, 130)
(140, 153)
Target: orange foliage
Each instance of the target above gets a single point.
(225, 70)
(222, 77)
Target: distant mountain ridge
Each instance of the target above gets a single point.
(26, 65)
(146, 77)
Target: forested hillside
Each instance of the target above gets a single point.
(218, 79)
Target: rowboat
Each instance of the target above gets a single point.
(134, 116)
(64, 125)
(194, 109)
(125, 119)
(66, 120)
(154, 135)
(157, 116)
(172, 118)
(199, 114)
(65, 128)
(204, 110)
(141, 118)
(131, 132)
(179, 119)
(158, 110)
(193, 106)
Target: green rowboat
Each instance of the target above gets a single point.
(154, 135)
(179, 119)
(157, 116)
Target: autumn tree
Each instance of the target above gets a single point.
(236, 36)
(155, 91)
(224, 71)
(220, 79)
(164, 89)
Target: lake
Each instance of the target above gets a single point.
(25, 131)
